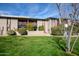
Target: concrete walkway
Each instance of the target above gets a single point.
(37, 33)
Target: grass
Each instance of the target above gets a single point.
(33, 46)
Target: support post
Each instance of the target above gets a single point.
(37, 26)
(68, 42)
(67, 36)
(50, 26)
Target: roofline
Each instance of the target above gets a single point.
(25, 17)
(18, 17)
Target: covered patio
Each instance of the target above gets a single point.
(27, 23)
(37, 23)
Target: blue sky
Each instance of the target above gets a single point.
(34, 10)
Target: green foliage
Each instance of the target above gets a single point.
(22, 31)
(11, 32)
(41, 28)
(34, 28)
(31, 27)
(59, 30)
(76, 28)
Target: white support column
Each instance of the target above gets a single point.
(27, 23)
(37, 25)
(49, 26)
(46, 26)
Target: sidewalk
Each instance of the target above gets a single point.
(37, 33)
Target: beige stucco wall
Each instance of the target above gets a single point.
(47, 24)
(14, 23)
(3, 23)
(54, 23)
(39, 23)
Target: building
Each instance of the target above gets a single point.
(14, 22)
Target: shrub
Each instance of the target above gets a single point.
(34, 28)
(76, 28)
(11, 32)
(41, 28)
(29, 26)
(22, 31)
(57, 30)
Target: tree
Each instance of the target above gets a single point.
(74, 16)
(70, 11)
(59, 11)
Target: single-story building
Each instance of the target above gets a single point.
(15, 22)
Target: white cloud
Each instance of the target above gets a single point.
(45, 10)
(33, 10)
(49, 14)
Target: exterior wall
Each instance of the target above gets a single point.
(14, 23)
(46, 24)
(69, 22)
(39, 23)
(3, 23)
(54, 23)
(49, 26)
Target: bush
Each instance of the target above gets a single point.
(22, 31)
(29, 26)
(11, 32)
(57, 30)
(35, 28)
(75, 29)
(41, 28)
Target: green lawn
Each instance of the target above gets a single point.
(34, 46)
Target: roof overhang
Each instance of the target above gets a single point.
(19, 17)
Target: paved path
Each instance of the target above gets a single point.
(37, 33)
